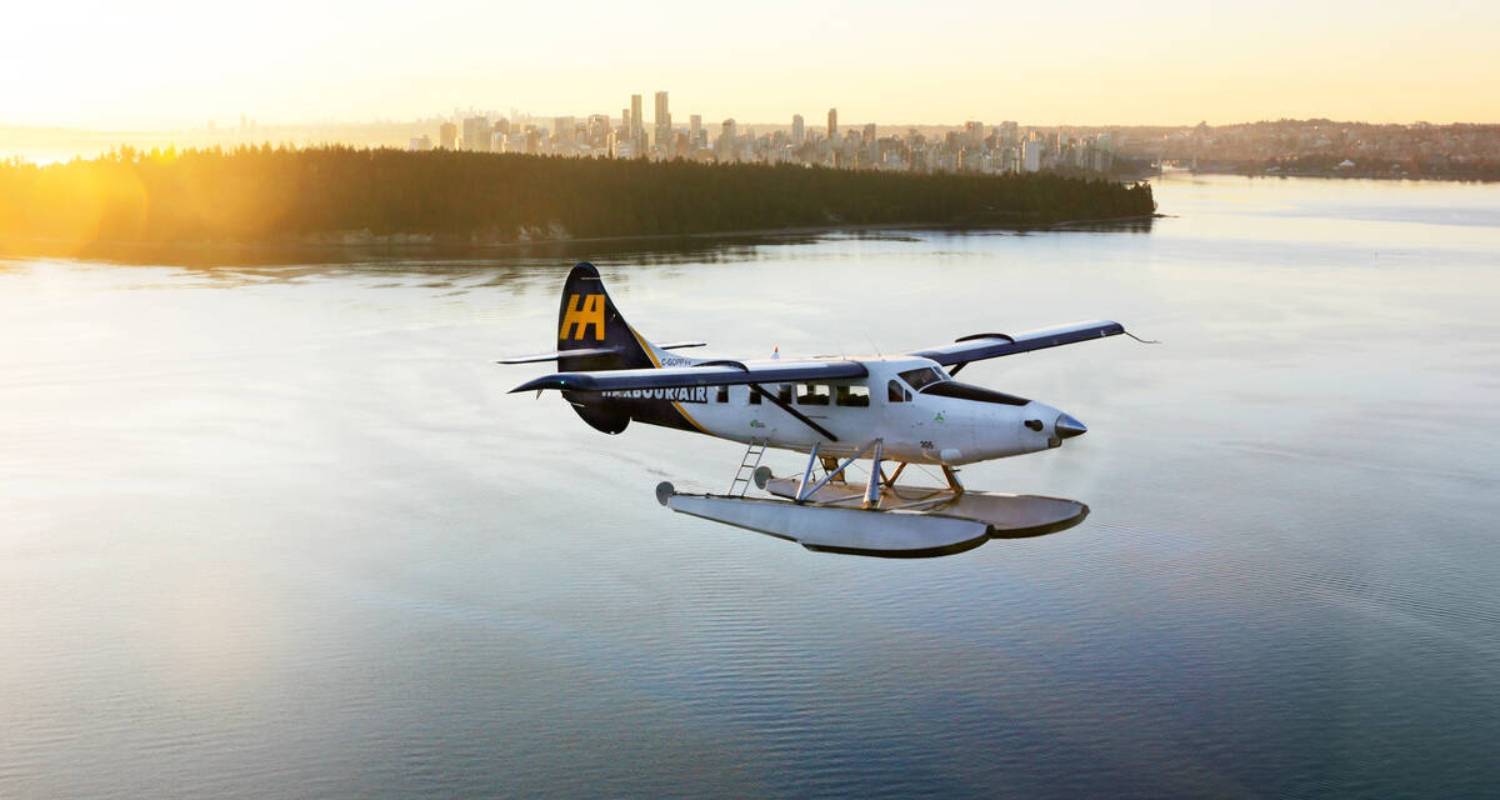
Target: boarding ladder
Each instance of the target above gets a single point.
(746, 473)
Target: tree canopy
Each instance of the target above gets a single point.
(266, 194)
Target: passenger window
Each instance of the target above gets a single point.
(894, 393)
(784, 393)
(856, 396)
(754, 396)
(813, 395)
(723, 394)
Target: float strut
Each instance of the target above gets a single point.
(812, 458)
(953, 483)
(872, 489)
(802, 496)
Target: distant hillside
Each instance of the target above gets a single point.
(345, 194)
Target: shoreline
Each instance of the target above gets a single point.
(1330, 176)
(356, 242)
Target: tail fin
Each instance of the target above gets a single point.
(588, 320)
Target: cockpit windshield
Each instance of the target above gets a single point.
(919, 378)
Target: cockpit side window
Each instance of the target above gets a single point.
(923, 376)
(894, 393)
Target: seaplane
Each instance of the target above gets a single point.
(896, 412)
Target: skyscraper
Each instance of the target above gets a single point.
(663, 123)
(636, 123)
(477, 134)
(695, 128)
(1031, 154)
(727, 145)
(598, 130)
(833, 124)
(974, 132)
(448, 136)
(562, 131)
(799, 130)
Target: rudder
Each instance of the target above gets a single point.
(587, 319)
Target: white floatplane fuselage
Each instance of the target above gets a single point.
(919, 412)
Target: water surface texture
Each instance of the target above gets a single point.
(278, 531)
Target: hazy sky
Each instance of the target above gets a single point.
(153, 64)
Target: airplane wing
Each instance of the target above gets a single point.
(708, 373)
(994, 345)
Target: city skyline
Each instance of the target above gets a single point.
(1281, 147)
(151, 65)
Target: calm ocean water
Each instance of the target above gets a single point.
(279, 531)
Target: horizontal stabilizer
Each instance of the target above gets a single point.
(544, 357)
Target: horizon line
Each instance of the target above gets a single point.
(231, 125)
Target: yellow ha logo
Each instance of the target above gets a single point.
(583, 312)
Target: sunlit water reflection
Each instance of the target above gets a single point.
(279, 531)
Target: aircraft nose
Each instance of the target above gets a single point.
(1068, 426)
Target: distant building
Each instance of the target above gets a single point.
(799, 130)
(727, 145)
(448, 136)
(974, 132)
(598, 130)
(637, 124)
(1031, 154)
(420, 144)
(477, 134)
(1010, 134)
(663, 124)
(695, 129)
(833, 124)
(562, 131)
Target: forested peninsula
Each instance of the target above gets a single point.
(343, 195)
